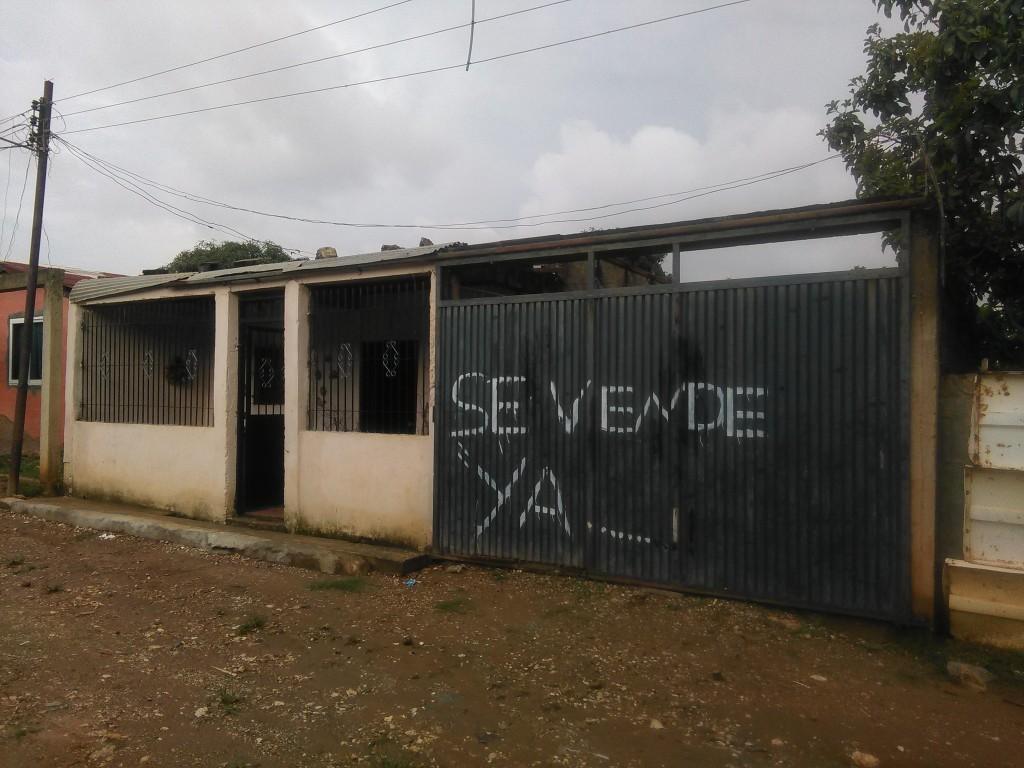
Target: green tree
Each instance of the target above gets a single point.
(940, 111)
(225, 254)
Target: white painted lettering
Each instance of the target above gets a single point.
(470, 407)
(498, 405)
(557, 511)
(692, 403)
(653, 400)
(607, 410)
(748, 416)
(569, 421)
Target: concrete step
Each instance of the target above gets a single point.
(257, 524)
(986, 603)
(325, 555)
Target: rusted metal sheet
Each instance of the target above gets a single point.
(746, 439)
(994, 519)
(998, 424)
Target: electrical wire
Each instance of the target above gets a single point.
(417, 73)
(15, 116)
(7, 190)
(47, 236)
(17, 217)
(482, 224)
(168, 207)
(319, 60)
(237, 51)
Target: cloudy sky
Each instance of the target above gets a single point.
(675, 106)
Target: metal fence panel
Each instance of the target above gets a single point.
(746, 440)
(148, 362)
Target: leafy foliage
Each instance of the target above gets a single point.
(940, 111)
(225, 254)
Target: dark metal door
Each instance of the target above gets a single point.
(746, 440)
(260, 483)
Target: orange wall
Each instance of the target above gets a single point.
(12, 303)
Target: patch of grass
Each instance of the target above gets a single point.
(343, 584)
(252, 624)
(19, 732)
(385, 761)
(499, 575)
(457, 604)
(29, 475)
(15, 561)
(229, 701)
(582, 588)
(52, 589)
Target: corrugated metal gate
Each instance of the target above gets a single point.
(744, 438)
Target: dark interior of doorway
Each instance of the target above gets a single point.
(260, 478)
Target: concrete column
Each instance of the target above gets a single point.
(296, 393)
(72, 391)
(924, 407)
(51, 425)
(225, 392)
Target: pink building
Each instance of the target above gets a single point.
(12, 310)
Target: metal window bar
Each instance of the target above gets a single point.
(148, 363)
(369, 357)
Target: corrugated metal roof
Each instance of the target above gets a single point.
(104, 287)
(107, 287)
(377, 257)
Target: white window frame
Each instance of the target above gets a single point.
(12, 376)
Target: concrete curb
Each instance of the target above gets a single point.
(324, 555)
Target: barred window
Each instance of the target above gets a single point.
(368, 357)
(148, 362)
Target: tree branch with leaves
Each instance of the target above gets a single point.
(939, 111)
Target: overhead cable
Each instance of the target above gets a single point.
(17, 217)
(236, 51)
(417, 73)
(181, 213)
(527, 221)
(378, 46)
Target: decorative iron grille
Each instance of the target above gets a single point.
(368, 357)
(148, 362)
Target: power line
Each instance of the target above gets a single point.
(721, 188)
(7, 190)
(13, 144)
(181, 213)
(13, 117)
(17, 217)
(237, 50)
(503, 223)
(319, 60)
(417, 73)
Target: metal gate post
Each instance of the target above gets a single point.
(924, 403)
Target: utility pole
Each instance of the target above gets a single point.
(42, 147)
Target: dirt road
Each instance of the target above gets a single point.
(121, 652)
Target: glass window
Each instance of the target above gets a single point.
(35, 365)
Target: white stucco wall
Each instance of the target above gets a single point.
(188, 470)
(369, 486)
(156, 466)
(365, 485)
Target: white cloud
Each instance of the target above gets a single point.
(713, 97)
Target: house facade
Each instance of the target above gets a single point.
(570, 401)
(44, 412)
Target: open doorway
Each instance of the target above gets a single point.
(260, 479)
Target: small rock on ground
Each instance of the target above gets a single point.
(970, 675)
(864, 760)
